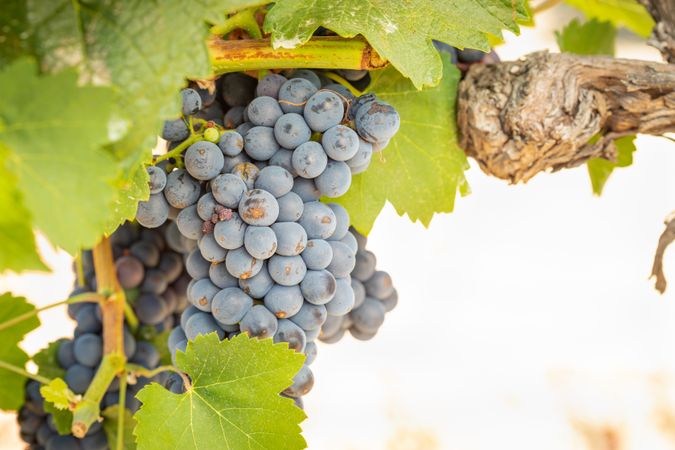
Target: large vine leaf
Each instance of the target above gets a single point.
(13, 31)
(53, 131)
(146, 50)
(400, 30)
(622, 13)
(47, 362)
(233, 403)
(422, 168)
(11, 383)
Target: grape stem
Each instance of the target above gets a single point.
(130, 317)
(80, 298)
(142, 371)
(12, 368)
(176, 152)
(120, 413)
(243, 20)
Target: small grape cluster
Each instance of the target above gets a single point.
(150, 268)
(374, 296)
(271, 260)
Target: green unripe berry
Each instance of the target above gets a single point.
(212, 135)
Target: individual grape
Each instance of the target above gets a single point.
(379, 285)
(317, 254)
(331, 326)
(275, 180)
(303, 382)
(207, 93)
(259, 143)
(202, 323)
(210, 249)
(341, 221)
(264, 111)
(270, 85)
(286, 270)
(130, 272)
(189, 223)
(352, 75)
(309, 160)
(150, 309)
(284, 301)
(359, 292)
(323, 111)
(213, 113)
(294, 93)
(219, 276)
(350, 241)
(311, 351)
(237, 89)
(233, 117)
(65, 355)
(291, 238)
(258, 207)
(192, 102)
(364, 266)
(259, 322)
(129, 343)
(181, 189)
(186, 314)
(176, 335)
(247, 172)
(243, 128)
(306, 190)
(290, 207)
(362, 335)
(206, 206)
(227, 189)
(231, 305)
(204, 160)
(87, 322)
(96, 441)
(318, 220)
(146, 355)
(390, 302)
(233, 161)
(176, 241)
(231, 143)
(229, 234)
(343, 260)
(65, 442)
(201, 294)
(146, 252)
(310, 317)
(340, 90)
(259, 285)
(260, 242)
(289, 332)
(308, 75)
(377, 121)
(242, 265)
(335, 180)
(318, 287)
(175, 130)
(469, 55)
(196, 266)
(291, 130)
(340, 143)
(153, 212)
(361, 160)
(154, 282)
(344, 299)
(88, 349)
(283, 158)
(157, 179)
(369, 316)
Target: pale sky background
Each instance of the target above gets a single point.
(525, 322)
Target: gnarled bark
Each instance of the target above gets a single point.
(663, 34)
(539, 113)
(667, 237)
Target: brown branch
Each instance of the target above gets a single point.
(663, 34)
(539, 113)
(667, 237)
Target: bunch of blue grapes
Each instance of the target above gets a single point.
(150, 268)
(374, 296)
(270, 259)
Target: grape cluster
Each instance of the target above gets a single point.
(271, 260)
(150, 268)
(374, 296)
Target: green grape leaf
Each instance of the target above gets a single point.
(58, 394)
(63, 418)
(11, 383)
(600, 169)
(234, 400)
(47, 362)
(13, 31)
(422, 168)
(622, 13)
(111, 423)
(16, 236)
(53, 130)
(589, 38)
(400, 30)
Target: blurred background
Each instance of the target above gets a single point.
(526, 319)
